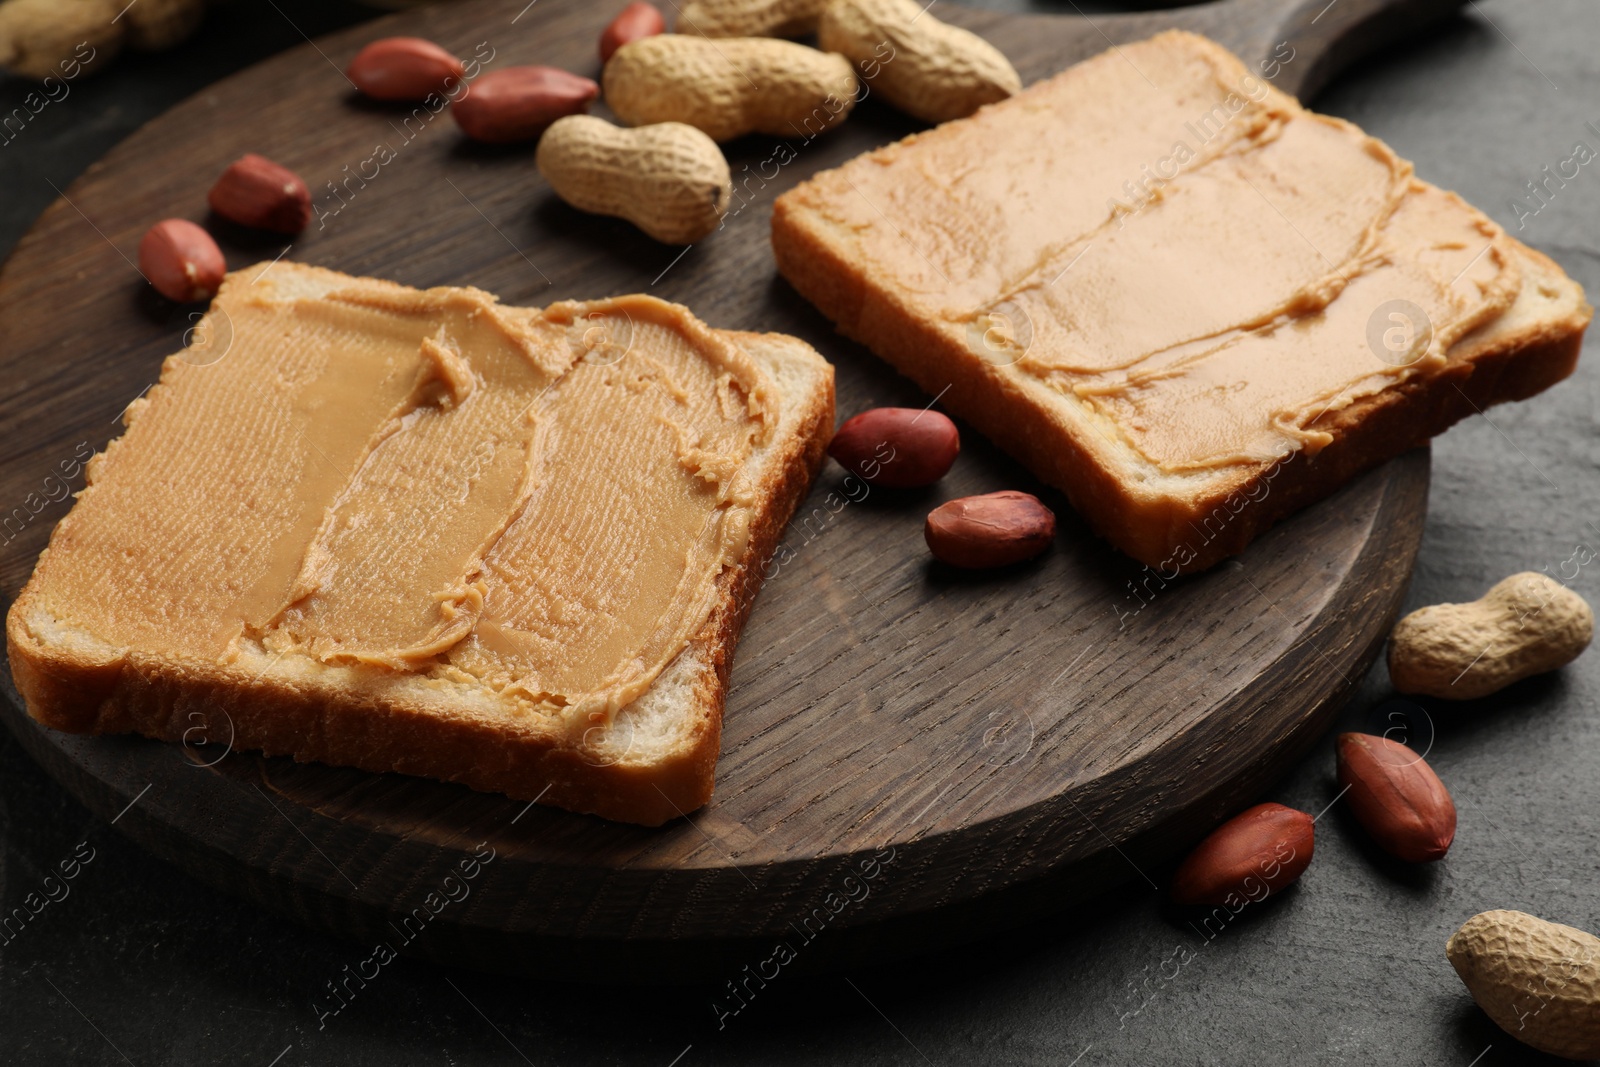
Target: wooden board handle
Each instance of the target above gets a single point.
(1329, 35)
(1300, 45)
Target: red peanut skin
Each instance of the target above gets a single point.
(403, 68)
(517, 103)
(1397, 798)
(897, 448)
(992, 530)
(181, 261)
(255, 191)
(1249, 857)
(638, 20)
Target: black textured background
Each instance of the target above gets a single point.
(142, 965)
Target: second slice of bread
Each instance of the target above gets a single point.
(1172, 520)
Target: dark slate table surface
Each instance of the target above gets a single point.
(143, 965)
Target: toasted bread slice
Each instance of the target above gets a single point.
(1155, 189)
(647, 761)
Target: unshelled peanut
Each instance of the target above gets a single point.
(1539, 981)
(750, 18)
(40, 38)
(62, 39)
(729, 88)
(933, 71)
(1526, 625)
(669, 179)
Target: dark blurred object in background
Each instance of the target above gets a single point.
(65, 126)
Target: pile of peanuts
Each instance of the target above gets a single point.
(722, 76)
(1540, 981)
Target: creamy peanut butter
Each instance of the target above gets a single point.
(425, 482)
(1163, 236)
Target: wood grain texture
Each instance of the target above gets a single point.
(1017, 741)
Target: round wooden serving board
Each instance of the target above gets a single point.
(910, 756)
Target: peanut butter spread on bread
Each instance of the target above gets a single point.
(424, 482)
(1162, 235)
